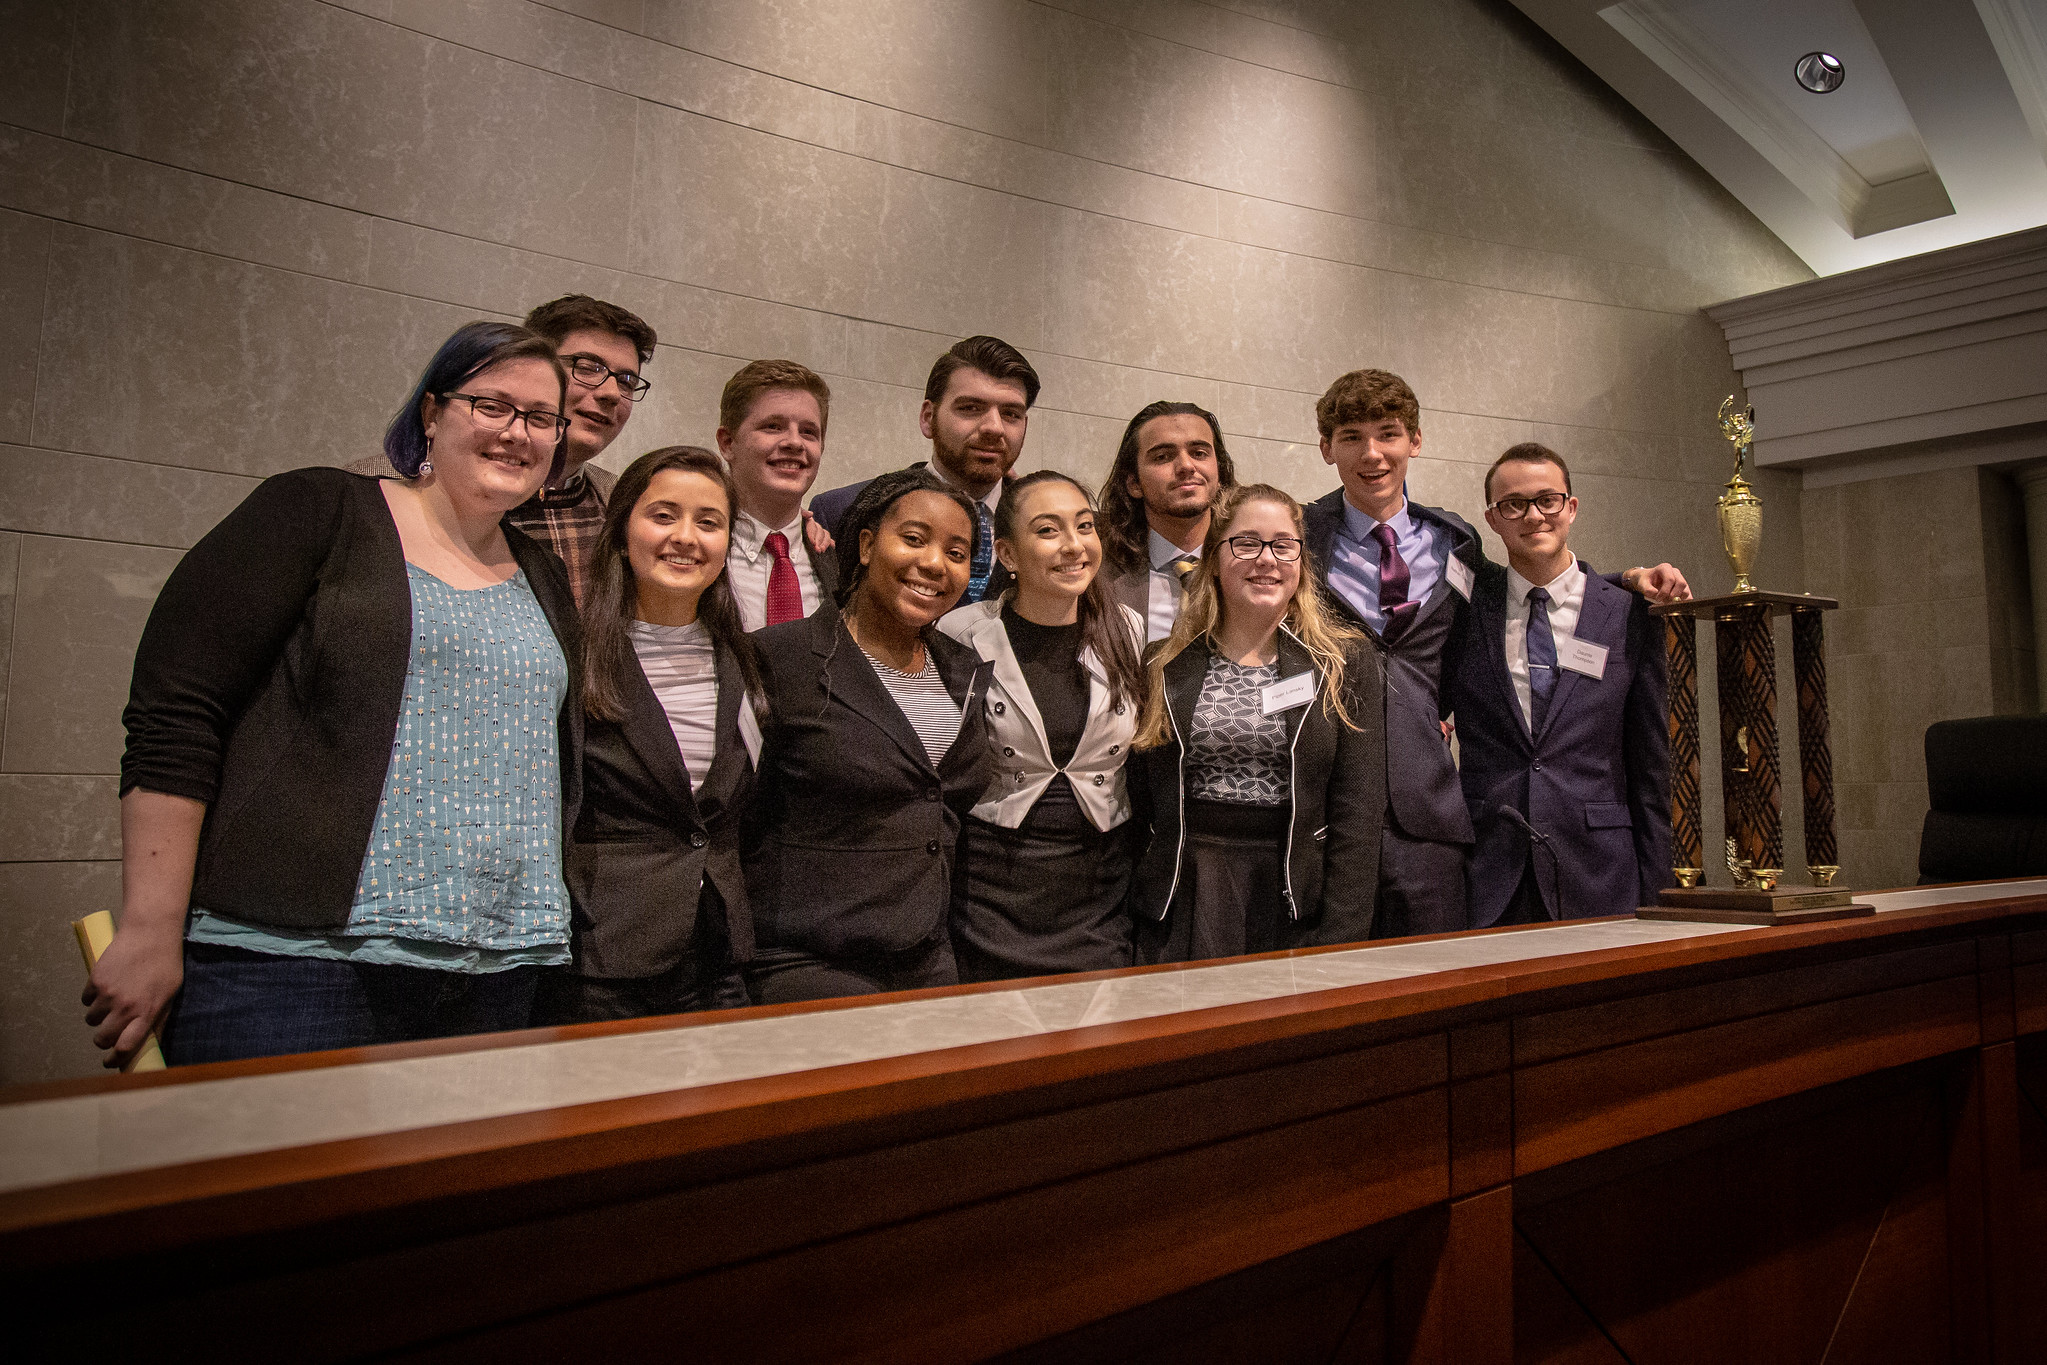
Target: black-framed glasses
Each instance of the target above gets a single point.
(498, 414)
(1285, 549)
(1513, 509)
(591, 373)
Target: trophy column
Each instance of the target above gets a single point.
(1687, 816)
(1815, 750)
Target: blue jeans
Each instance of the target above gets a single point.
(238, 1004)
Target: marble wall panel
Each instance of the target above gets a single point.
(175, 357)
(1130, 99)
(79, 610)
(36, 35)
(96, 188)
(24, 274)
(337, 107)
(784, 221)
(10, 580)
(42, 1026)
(58, 818)
(55, 493)
(1181, 305)
(1224, 32)
(978, 63)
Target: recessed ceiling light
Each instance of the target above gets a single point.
(1821, 72)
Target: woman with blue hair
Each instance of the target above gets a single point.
(353, 744)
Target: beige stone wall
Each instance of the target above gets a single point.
(231, 232)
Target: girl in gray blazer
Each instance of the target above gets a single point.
(1047, 850)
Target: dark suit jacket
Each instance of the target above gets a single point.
(268, 684)
(851, 843)
(1425, 798)
(830, 508)
(644, 843)
(1338, 782)
(1595, 778)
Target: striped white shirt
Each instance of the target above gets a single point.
(925, 703)
(681, 665)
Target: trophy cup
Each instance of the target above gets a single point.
(1745, 647)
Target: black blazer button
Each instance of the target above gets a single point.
(1099, 779)
(697, 840)
(931, 795)
(1008, 752)
(931, 847)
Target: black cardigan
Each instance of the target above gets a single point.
(852, 839)
(648, 853)
(268, 685)
(1337, 777)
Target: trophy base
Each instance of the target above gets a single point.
(1742, 905)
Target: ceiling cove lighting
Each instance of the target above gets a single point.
(1821, 72)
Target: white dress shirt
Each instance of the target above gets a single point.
(748, 564)
(1566, 600)
(681, 665)
(1162, 604)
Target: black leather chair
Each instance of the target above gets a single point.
(1987, 783)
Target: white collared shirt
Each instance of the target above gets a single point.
(1567, 600)
(1166, 591)
(748, 565)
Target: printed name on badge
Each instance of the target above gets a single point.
(750, 729)
(1288, 693)
(1581, 656)
(1459, 574)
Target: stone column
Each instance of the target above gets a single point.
(2032, 480)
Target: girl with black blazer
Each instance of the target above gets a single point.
(875, 749)
(1048, 848)
(1261, 766)
(661, 920)
(353, 744)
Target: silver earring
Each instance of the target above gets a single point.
(426, 465)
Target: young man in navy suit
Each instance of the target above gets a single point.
(1562, 718)
(1404, 573)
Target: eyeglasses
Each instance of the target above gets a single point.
(1513, 509)
(1285, 549)
(591, 373)
(497, 414)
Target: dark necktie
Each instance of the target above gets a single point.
(984, 555)
(1542, 659)
(785, 594)
(1393, 579)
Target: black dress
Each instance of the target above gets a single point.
(1047, 896)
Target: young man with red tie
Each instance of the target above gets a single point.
(771, 428)
(1562, 721)
(1404, 573)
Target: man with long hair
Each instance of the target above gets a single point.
(1169, 469)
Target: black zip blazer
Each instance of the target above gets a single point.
(646, 847)
(1338, 782)
(852, 840)
(268, 684)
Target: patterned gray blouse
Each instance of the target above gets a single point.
(1237, 753)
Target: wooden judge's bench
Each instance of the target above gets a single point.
(1602, 1141)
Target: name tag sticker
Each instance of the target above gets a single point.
(1459, 574)
(1581, 656)
(1285, 695)
(750, 730)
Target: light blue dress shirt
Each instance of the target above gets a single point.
(1354, 559)
(1162, 604)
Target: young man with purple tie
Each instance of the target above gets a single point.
(1405, 573)
(1562, 718)
(771, 428)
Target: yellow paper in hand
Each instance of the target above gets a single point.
(95, 932)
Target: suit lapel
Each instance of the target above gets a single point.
(824, 568)
(852, 679)
(728, 767)
(1460, 549)
(1604, 607)
(1489, 608)
(991, 642)
(647, 731)
(1183, 687)
(1294, 659)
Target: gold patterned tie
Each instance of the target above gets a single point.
(1185, 565)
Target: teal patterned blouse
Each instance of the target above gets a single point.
(464, 866)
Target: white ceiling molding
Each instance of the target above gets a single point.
(1970, 80)
(2023, 51)
(1769, 125)
(1932, 362)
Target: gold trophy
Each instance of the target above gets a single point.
(1741, 511)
